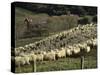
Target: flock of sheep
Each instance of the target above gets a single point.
(29, 53)
(80, 48)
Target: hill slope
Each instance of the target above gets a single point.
(42, 24)
(20, 15)
(69, 37)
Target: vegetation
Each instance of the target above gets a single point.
(52, 9)
(51, 25)
(47, 20)
(69, 63)
(72, 36)
(94, 19)
(86, 20)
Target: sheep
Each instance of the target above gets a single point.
(22, 54)
(61, 53)
(31, 45)
(89, 43)
(17, 51)
(21, 48)
(82, 45)
(26, 59)
(32, 57)
(94, 42)
(39, 57)
(20, 61)
(88, 49)
(76, 50)
(68, 52)
(43, 52)
(49, 56)
(84, 48)
(27, 48)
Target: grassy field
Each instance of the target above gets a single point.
(20, 27)
(68, 63)
(52, 24)
(20, 15)
(22, 42)
(61, 64)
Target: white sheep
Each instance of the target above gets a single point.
(68, 51)
(17, 51)
(39, 57)
(61, 53)
(84, 47)
(76, 50)
(89, 42)
(88, 49)
(27, 48)
(43, 52)
(21, 48)
(27, 59)
(32, 57)
(49, 55)
(21, 60)
(94, 42)
(22, 54)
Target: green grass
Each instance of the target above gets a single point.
(23, 42)
(53, 24)
(68, 63)
(20, 15)
(61, 64)
(20, 27)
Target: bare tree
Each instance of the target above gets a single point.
(28, 22)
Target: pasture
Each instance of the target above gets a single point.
(54, 32)
(68, 63)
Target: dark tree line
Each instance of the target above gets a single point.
(54, 9)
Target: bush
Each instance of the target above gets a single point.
(94, 19)
(85, 20)
(60, 23)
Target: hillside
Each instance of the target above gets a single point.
(53, 37)
(70, 37)
(42, 25)
(20, 15)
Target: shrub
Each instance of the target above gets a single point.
(85, 20)
(94, 19)
(64, 22)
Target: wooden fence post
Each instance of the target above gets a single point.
(34, 67)
(82, 62)
(19, 68)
